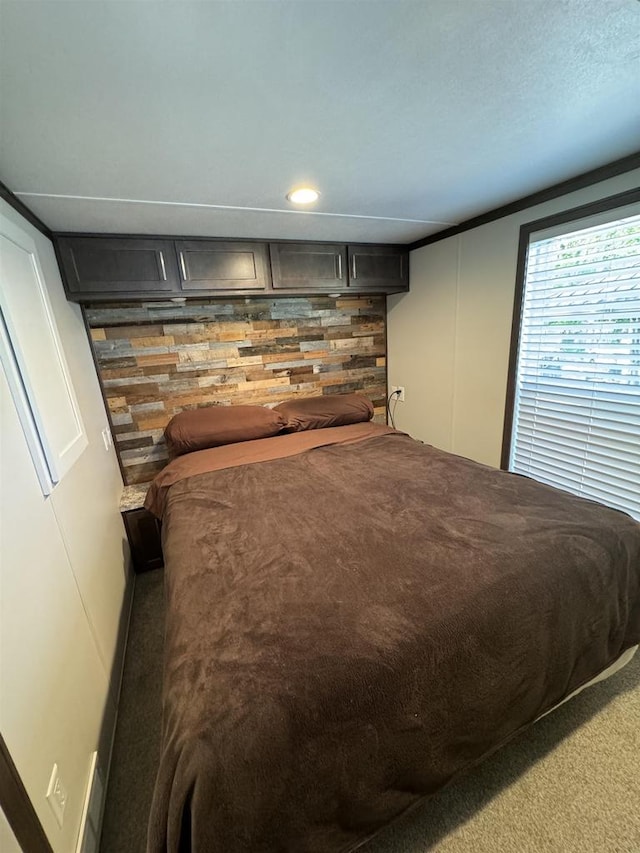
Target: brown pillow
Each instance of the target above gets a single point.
(213, 426)
(328, 410)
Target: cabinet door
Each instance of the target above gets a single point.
(378, 268)
(117, 267)
(31, 350)
(222, 265)
(309, 266)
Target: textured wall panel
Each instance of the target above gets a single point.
(158, 358)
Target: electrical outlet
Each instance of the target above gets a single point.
(107, 439)
(57, 795)
(400, 396)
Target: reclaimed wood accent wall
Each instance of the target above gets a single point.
(157, 358)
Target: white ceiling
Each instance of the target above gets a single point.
(197, 117)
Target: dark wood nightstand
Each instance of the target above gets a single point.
(143, 530)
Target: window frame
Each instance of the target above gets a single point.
(610, 203)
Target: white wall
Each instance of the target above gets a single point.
(64, 567)
(448, 339)
(8, 843)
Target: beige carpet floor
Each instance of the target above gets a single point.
(570, 784)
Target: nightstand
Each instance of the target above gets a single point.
(143, 529)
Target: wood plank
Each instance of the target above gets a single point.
(227, 352)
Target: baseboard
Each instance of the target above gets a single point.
(122, 637)
(99, 776)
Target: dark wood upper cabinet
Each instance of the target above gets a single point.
(309, 266)
(118, 266)
(378, 268)
(222, 265)
(101, 267)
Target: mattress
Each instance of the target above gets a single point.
(354, 619)
(625, 658)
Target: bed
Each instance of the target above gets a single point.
(353, 619)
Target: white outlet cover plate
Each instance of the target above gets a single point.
(57, 795)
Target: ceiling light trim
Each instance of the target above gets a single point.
(200, 205)
(303, 195)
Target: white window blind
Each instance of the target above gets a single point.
(577, 403)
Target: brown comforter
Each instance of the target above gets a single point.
(351, 626)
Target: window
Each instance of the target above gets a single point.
(575, 387)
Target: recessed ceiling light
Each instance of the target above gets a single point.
(303, 195)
